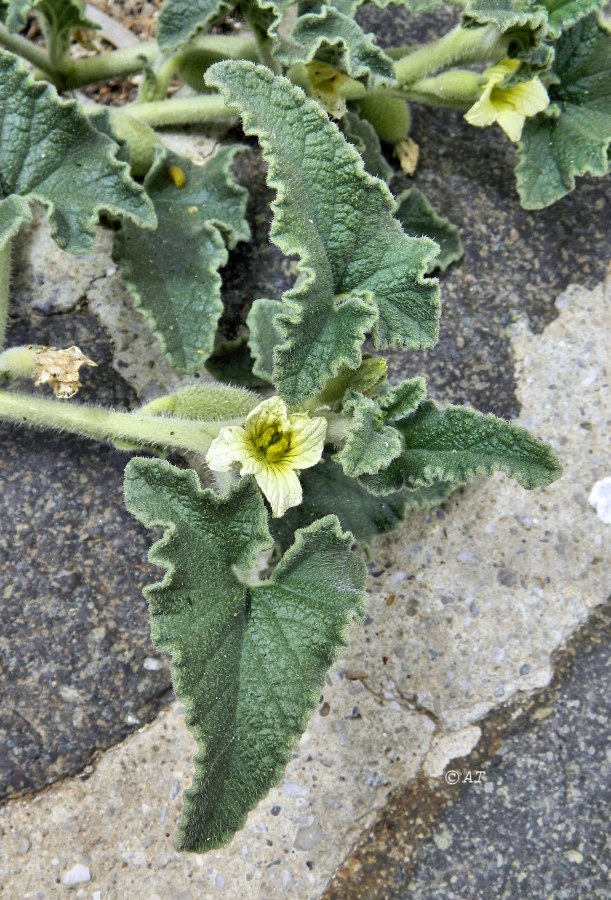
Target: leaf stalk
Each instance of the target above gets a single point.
(110, 426)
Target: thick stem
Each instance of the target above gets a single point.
(461, 45)
(109, 426)
(5, 282)
(457, 89)
(17, 44)
(79, 72)
(160, 113)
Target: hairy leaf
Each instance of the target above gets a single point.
(264, 15)
(548, 17)
(172, 272)
(14, 211)
(402, 400)
(265, 336)
(457, 444)
(358, 270)
(574, 136)
(327, 490)
(248, 661)
(419, 219)
(363, 135)
(369, 375)
(58, 19)
(60, 15)
(50, 153)
(180, 20)
(336, 39)
(371, 444)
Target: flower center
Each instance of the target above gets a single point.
(272, 443)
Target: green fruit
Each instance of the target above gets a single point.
(389, 116)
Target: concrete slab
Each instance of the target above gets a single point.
(466, 606)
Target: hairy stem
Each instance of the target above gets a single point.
(109, 426)
(160, 113)
(19, 45)
(79, 72)
(457, 89)
(461, 45)
(5, 282)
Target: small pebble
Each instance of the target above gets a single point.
(294, 790)
(152, 665)
(78, 874)
(600, 499)
(309, 837)
(24, 845)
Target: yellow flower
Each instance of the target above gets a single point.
(327, 83)
(272, 445)
(508, 106)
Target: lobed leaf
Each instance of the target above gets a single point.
(50, 153)
(363, 135)
(60, 15)
(336, 39)
(573, 137)
(265, 336)
(326, 490)
(371, 444)
(546, 17)
(248, 661)
(172, 272)
(358, 270)
(399, 402)
(456, 445)
(419, 219)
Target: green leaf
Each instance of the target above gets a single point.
(402, 400)
(58, 18)
(419, 219)
(336, 39)
(14, 211)
(248, 661)
(564, 13)
(232, 362)
(180, 20)
(264, 15)
(547, 17)
(457, 445)
(363, 135)
(370, 445)
(327, 490)
(265, 336)
(574, 136)
(369, 375)
(172, 272)
(358, 270)
(50, 153)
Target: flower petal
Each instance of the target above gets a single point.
(270, 413)
(529, 97)
(482, 113)
(496, 74)
(512, 123)
(307, 440)
(231, 446)
(281, 486)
